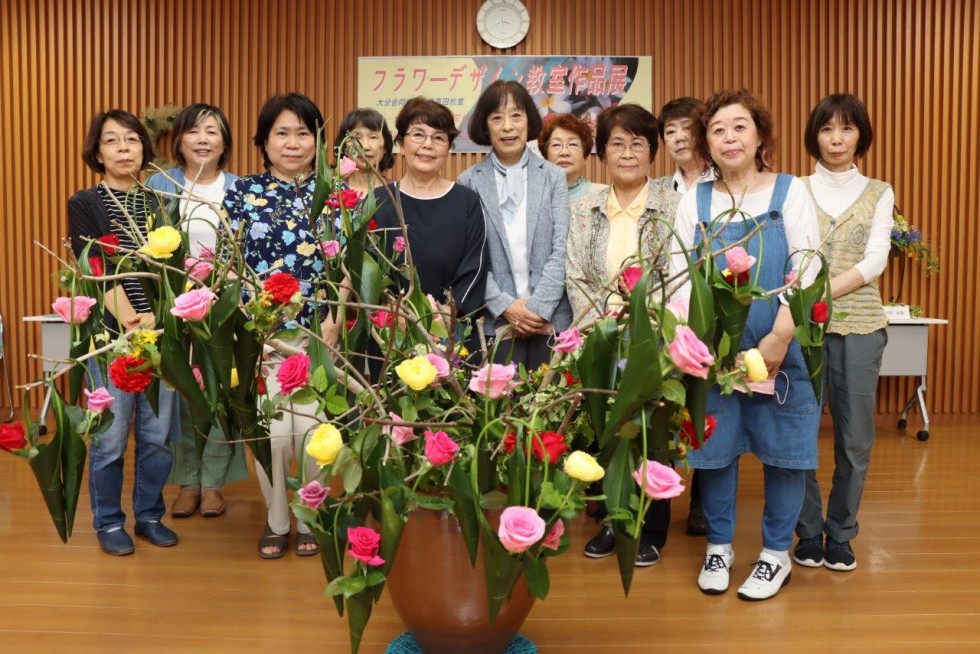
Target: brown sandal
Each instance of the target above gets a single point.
(307, 539)
(212, 504)
(188, 499)
(272, 539)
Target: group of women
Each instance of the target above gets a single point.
(532, 246)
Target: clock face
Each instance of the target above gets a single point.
(503, 23)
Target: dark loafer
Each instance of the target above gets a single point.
(156, 533)
(116, 542)
(696, 524)
(646, 556)
(602, 545)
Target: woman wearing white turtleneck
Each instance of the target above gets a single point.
(859, 211)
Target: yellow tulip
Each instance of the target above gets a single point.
(161, 242)
(234, 378)
(325, 444)
(417, 372)
(583, 467)
(755, 365)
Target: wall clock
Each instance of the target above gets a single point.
(503, 23)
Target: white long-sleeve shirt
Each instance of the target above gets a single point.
(799, 222)
(835, 193)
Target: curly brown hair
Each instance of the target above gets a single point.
(569, 123)
(765, 156)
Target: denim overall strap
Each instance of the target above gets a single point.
(779, 434)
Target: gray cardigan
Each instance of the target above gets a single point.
(588, 240)
(548, 214)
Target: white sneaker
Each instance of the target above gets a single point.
(768, 576)
(714, 576)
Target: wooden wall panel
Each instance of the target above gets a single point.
(915, 62)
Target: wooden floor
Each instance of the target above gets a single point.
(916, 588)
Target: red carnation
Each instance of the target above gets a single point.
(372, 225)
(820, 312)
(510, 442)
(129, 375)
(282, 286)
(109, 243)
(347, 198)
(688, 435)
(570, 379)
(12, 437)
(551, 443)
(95, 263)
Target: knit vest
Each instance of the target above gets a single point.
(860, 311)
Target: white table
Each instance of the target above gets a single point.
(907, 354)
(55, 344)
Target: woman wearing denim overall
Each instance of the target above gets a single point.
(734, 134)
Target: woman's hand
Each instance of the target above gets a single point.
(330, 331)
(132, 320)
(773, 349)
(525, 322)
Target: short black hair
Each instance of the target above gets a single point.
(632, 118)
(493, 98)
(848, 109)
(299, 104)
(190, 116)
(90, 149)
(686, 107)
(423, 111)
(374, 121)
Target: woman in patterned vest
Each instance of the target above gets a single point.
(858, 211)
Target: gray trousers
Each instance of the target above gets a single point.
(852, 364)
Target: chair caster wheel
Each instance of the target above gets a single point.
(923, 435)
(902, 423)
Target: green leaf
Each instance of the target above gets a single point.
(352, 477)
(465, 506)
(318, 380)
(337, 405)
(673, 391)
(304, 395)
(596, 367)
(536, 576)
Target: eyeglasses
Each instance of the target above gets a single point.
(438, 138)
(636, 147)
(558, 146)
(112, 140)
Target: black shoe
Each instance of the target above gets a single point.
(809, 552)
(646, 556)
(156, 533)
(839, 556)
(696, 524)
(116, 542)
(602, 545)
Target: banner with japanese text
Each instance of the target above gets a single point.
(581, 85)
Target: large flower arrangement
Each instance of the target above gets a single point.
(621, 402)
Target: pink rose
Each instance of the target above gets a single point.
(658, 481)
(293, 373)
(440, 363)
(314, 494)
(493, 380)
(98, 400)
(196, 371)
(520, 528)
(346, 167)
(205, 253)
(399, 244)
(400, 435)
(680, 308)
(74, 310)
(569, 341)
(631, 276)
(364, 545)
(198, 268)
(790, 277)
(330, 248)
(439, 447)
(553, 539)
(689, 354)
(194, 305)
(739, 261)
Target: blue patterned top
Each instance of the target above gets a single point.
(276, 232)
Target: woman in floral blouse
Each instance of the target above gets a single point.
(270, 210)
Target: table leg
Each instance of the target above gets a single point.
(920, 391)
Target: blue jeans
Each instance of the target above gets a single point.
(784, 488)
(153, 457)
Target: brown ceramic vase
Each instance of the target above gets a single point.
(441, 598)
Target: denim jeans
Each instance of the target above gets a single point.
(784, 488)
(153, 457)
